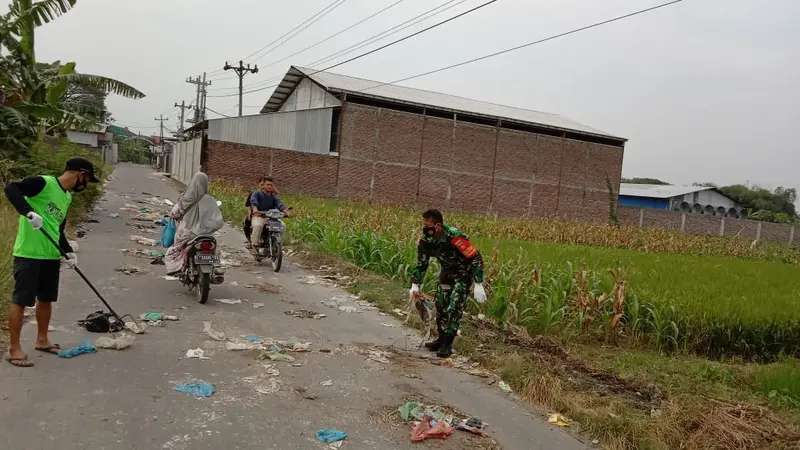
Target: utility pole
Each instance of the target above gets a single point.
(241, 71)
(200, 101)
(161, 123)
(183, 107)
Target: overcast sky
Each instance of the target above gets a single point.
(705, 90)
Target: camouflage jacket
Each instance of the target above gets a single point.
(453, 250)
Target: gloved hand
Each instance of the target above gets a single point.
(414, 291)
(71, 260)
(35, 220)
(479, 293)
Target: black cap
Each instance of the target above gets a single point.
(83, 165)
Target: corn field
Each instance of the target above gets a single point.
(590, 282)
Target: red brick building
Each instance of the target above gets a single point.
(330, 135)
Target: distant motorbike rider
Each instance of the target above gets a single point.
(261, 201)
(247, 226)
(461, 264)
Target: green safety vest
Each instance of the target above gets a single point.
(52, 204)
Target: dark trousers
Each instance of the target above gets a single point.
(451, 297)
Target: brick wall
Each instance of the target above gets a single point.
(294, 172)
(700, 224)
(405, 158)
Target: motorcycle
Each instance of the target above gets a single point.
(272, 239)
(201, 268)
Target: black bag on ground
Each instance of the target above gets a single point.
(97, 322)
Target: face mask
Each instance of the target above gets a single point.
(429, 231)
(80, 185)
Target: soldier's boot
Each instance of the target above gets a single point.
(435, 344)
(446, 348)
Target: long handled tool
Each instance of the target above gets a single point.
(80, 273)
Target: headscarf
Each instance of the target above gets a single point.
(198, 210)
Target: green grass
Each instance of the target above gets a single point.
(711, 305)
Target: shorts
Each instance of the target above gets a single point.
(35, 279)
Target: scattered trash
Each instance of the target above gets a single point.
(472, 425)
(154, 316)
(557, 420)
(239, 346)
(229, 301)
(269, 388)
(195, 389)
(304, 314)
(330, 436)
(130, 270)
(113, 215)
(430, 429)
(84, 347)
(272, 371)
(254, 338)
(388, 325)
(304, 393)
(134, 327)
(148, 253)
(197, 353)
(418, 411)
(327, 383)
(267, 288)
(505, 387)
(276, 356)
(479, 373)
(378, 356)
(144, 241)
(119, 343)
(399, 312)
(169, 278)
(257, 305)
(300, 347)
(348, 309)
(382, 314)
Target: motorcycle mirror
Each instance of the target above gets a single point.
(168, 202)
(219, 203)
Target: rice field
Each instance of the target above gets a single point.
(704, 295)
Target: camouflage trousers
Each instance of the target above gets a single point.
(451, 297)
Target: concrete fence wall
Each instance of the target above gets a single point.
(185, 159)
(700, 224)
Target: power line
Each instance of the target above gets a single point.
(397, 41)
(374, 38)
(219, 114)
(336, 34)
(519, 47)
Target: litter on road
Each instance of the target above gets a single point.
(505, 387)
(169, 278)
(130, 270)
(239, 346)
(118, 343)
(135, 328)
(196, 353)
(304, 393)
(84, 347)
(388, 325)
(257, 305)
(196, 389)
(304, 314)
(472, 425)
(327, 383)
(229, 301)
(271, 387)
(154, 316)
(276, 356)
(330, 436)
(212, 333)
(144, 240)
(430, 429)
(254, 338)
(348, 309)
(379, 356)
(558, 420)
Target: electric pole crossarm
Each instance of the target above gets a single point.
(241, 71)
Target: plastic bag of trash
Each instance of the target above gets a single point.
(118, 343)
(195, 389)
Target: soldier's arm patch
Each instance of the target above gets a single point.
(464, 246)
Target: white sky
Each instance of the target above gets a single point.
(706, 90)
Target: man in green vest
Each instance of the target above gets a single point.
(42, 203)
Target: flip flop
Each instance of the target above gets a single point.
(19, 362)
(50, 349)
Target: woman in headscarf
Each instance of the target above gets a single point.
(198, 215)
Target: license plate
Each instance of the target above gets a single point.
(206, 259)
(275, 228)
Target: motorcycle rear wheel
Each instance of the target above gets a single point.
(277, 255)
(203, 287)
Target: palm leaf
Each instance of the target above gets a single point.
(40, 12)
(56, 90)
(109, 85)
(14, 118)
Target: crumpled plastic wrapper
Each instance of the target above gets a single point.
(120, 342)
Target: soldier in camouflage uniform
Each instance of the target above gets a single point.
(461, 264)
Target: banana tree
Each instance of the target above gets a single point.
(34, 94)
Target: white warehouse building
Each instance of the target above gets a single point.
(689, 199)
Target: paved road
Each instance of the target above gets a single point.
(125, 399)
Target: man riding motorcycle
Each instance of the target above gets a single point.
(262, 201)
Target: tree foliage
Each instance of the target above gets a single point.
(39, 100)
(644, 181)
(777, 205)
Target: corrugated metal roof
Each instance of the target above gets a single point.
(390, 92)
(658, 190)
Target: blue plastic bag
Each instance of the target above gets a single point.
(168, 233)
(330, 436)
(84, 347)
(199, 390)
